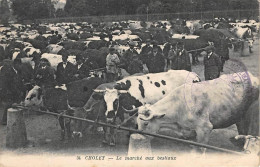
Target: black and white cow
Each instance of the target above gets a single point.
(134, 91)
(62, 99)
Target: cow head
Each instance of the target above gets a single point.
(251, 143)
(111, 98)
(34, 97)
(250, 42)
(148, 120)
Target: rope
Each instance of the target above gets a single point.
(128, 119)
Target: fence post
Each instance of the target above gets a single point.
(16, 132)
(139, 145)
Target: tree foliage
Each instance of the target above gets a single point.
(32, 9)
(111, 7)
(4, 12)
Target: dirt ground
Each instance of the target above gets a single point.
(43, 131)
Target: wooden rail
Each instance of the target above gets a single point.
(146, 133)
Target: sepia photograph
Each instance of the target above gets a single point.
(158, 83)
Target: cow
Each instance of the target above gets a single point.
(62, 99)
(30, 51)
(134, 91)
(35, 100)
(54, 48)
(201, 107)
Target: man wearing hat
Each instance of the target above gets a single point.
(179, 58)
(155, 62)
(112, 62)
(212, 64)
(44, 76)
(128, 55)
(12, 86)
(65, 70)
(147, 49)
(82, 68)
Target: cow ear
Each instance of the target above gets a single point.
(39, 93)
(158, 116)
(97, 96)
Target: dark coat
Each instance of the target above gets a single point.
(136, 66)
(212, 66)
(155, 63)
(83, 71)
(222, 49)
(127, 58)
(147, 49)
(26, 72)
(12, 85)
(2, 53)
(180, 60)
(64, 76)
(44, 77)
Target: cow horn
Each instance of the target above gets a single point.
(146, 118)
(130, 111)
(122, 91)
(99, 91)
(91, 108)
(240, 137)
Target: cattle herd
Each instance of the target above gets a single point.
(177, 101)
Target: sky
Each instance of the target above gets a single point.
(60, 4)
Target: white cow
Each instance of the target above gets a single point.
(201, 107)
(54, 48)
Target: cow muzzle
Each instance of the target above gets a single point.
(110, 120)
(77, 134)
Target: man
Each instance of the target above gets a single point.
(135, 66)
(222, 51)
(128, 55)
(147, 49)
(12, 86)
(112, 62)
(44, 75)
(82, 69)
(180, 59)
(155, 62)
(25, 72)
(65, 70)
(212, 64)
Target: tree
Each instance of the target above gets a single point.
(4, 12)
(31, 9)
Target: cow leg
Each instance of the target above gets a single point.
(67, 128)
(241, 127)
(61, 121)
(193, 58)
(197, 57)
(203, 131)
(106, 135)
(113, 137)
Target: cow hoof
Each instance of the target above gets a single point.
(112, 144)
(66, 141)
(104, 142)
